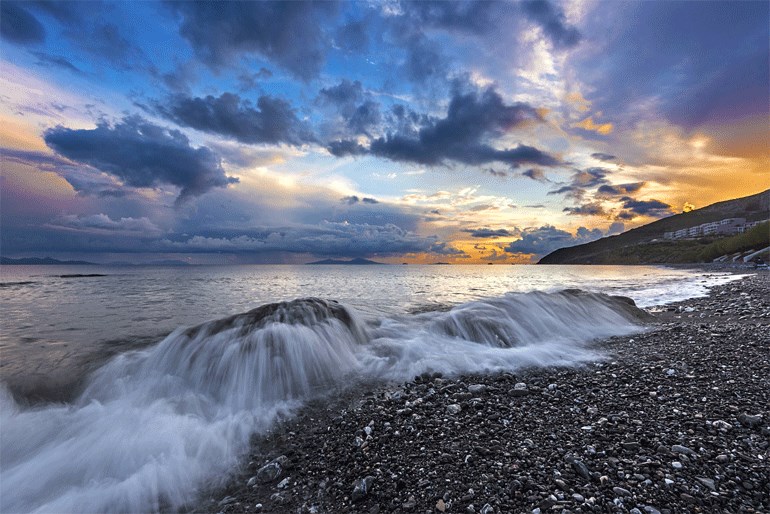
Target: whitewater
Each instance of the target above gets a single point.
(152, 427)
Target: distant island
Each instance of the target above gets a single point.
(690, 237)
(356, 261)
(45, 261)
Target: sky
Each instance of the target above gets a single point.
(399, 131)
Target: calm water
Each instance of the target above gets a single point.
(149, 413)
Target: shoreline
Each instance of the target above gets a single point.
(655, 427)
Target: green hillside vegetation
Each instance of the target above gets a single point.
(645, 244)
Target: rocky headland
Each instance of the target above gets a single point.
(675, 419)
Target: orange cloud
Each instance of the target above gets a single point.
(600, 128)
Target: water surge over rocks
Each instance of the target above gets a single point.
(153, 427)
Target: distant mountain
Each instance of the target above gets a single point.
(356, 261)
(168, 262)
(35, 261)
(645, 244)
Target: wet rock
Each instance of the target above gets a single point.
(362, 487)
(269, 472)
(453, 408)
(749, 420)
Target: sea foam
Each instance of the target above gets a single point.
(154, 427)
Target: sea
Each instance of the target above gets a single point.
(135, 389)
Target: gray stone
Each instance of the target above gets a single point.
(749, 420)
(581, 469)
(621, 492)
(453, 408)
(477, 388)
(707, 482)
(362, 487)
(269, 472)
(678, 448)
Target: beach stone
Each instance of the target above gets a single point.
(749, 420)
(269, 472)
(581, 469)
(477, 388)
(453, 408)
(677, 448)
(707, 482)
(362, 487)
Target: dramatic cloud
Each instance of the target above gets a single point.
(654, 208)
(102, 222)
(345, 94)
(535, 174)
(608, 190)
(603, 156)
(545, 239)
(462, 16)
(589, 209)
(488, 233)
(273, 121)
(580, 181)
(685, 60)
(289, 34)
(325, 239)
(346, 147)
(142, 155)
(471, 118)
(17, 25)
(552, 22)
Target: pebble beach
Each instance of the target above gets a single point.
(674, 419)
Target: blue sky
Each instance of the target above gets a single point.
(462, 132)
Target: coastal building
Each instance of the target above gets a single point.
(725, 227)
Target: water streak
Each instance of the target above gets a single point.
(154, 426)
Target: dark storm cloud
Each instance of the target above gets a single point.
(365, 118)
(574, 192)
(273, 121)
(352, 200)
(646, 207)
(249, 81)
(471, 118)
(535, 174)
(488, 233)
(590, 177)
(589, 209)
(465, 16)
(580, 181)
(553, 23)
(608, 190)
(17, 25)
(702, 63)
(290, 34)
(142, 155)
(346, 93)
(425, 61)
(603, 156)
(346, 147)
(545, 239)
(353, 36)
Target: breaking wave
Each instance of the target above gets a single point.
(153, 427)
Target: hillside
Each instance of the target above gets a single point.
(645, 244)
